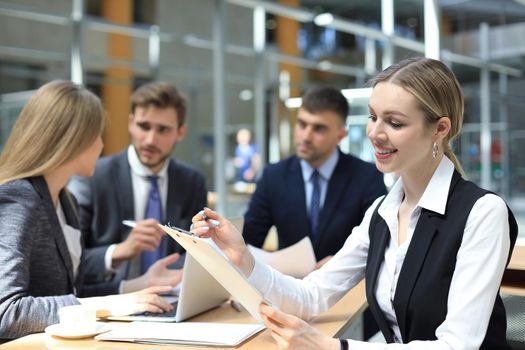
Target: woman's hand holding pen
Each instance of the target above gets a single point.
(209, 224)
(289, 331)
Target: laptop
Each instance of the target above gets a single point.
(199, 292)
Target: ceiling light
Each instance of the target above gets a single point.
(293, 102)
(324, 65)
(246, 95)
(324, 19)
(357, 93)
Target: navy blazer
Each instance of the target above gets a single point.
(280, 200)
(106, 198)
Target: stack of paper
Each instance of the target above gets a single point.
(184, 333)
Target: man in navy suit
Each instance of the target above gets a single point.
(346, 185)
(121, 189)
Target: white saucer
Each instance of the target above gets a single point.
(63, 331)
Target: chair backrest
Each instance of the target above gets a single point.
(515, 308)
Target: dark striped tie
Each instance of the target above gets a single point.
(153, 211)
(315, 202)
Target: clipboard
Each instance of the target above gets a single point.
(222, 269)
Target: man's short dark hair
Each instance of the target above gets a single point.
(325, 98)
(160, 95)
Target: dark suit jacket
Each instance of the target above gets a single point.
(280, 200)
(421, 297)
(36, 271)
(106, 198)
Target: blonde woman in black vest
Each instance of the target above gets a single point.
(57, 135)
(433, 250)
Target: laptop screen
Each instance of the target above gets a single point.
(199, 292)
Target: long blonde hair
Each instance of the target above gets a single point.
(437, 91)
(59, 122)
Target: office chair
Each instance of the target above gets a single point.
(515, 308)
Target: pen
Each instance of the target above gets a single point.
(213, 222)
(235, 305)
(129, 223)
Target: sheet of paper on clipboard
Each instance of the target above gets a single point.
(213, 260)
(301, 253)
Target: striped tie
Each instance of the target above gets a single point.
(153, 211)
(315, 202)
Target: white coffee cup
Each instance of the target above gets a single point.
(78, 318)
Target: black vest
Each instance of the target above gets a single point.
(420, 301)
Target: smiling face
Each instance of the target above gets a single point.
(317, 135)
(398, 130)
(154, 134)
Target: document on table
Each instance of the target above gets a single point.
(217, 264)
(184, 333)
(301, 254)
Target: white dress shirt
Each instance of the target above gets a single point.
(141, 187)
(479, 267)
(72, 236)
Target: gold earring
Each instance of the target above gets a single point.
(434, 149)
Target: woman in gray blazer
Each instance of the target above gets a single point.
(57, 135)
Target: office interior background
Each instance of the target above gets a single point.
(244, 63)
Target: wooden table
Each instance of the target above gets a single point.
(514, 277)
(517, 261)
(332, 322)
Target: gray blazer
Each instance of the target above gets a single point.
(36, 272)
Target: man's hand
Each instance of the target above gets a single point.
(145, 236)
(157, 275)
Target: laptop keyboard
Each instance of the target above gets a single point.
(170, 314)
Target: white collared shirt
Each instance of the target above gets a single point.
(434, 199)
(72, 237)
(142, 185)
(480, 265)
(325, 173)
